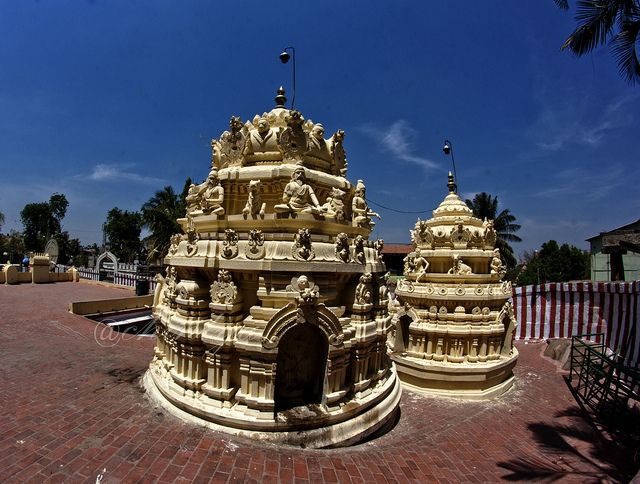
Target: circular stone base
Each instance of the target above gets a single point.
(380, 408)
(471, 381)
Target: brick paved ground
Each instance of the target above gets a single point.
(73, 411)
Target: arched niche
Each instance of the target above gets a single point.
(102, 259)
(401, 322)
(300, 367)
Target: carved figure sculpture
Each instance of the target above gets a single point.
(460, 236)
(170, 283)
(254, 205)
(262, 139)
(175, 242)
(159, 290)
(496, 263)
(378, 245)
(409, 263)
(298, 197)
(308, 290)
(342, 247)
(422, 234)
(302, 245)
(489, 234)
(360, 212)
(334, 206)
(363, 290)
(317, 146)
(230, 244)
(459, 267)
(420, 265)
(358, 249)
(208, 196)
(338, 154)
(224, 291)
(232, 143)
(293, 140)
(383, 289)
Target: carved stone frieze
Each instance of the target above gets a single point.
(224, 290)
(293, 139)
(255, 245)
(230, 244)
(302, 249)
(232, 143)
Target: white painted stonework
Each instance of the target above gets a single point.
(272, 319)
(453, 321)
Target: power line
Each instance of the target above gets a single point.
(395, 210)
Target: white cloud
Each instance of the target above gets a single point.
(103, 172)
(586, 185)
(562, 125)
(397, 140)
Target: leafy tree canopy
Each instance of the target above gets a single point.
(555, 263)
(159, 215)
(43, 220)
(613, 22)
(122, 229)
(13, 244)
(485, 206)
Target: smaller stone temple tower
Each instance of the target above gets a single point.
(454, 323)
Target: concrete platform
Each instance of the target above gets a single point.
(73, 410)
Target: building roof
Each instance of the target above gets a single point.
(633, 226)
(397, 249)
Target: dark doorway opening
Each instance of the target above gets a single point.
(402, 334)
(301, 364)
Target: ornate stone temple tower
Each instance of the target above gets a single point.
(454, 323)
(272, 319)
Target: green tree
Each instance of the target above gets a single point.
(68, 248)
(486, 206)
(159, 215)
(43, 220)
(553, 263)
(613, 22)
(13, 244)
(122, 229)
(1, 219)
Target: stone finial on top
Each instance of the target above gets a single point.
(453, 188)
(280, 98)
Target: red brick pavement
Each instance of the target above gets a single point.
(73, 411)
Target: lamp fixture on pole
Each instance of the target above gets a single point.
(447, 148)
(284, 58)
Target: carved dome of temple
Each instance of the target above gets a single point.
(453, 226)
(279, 136)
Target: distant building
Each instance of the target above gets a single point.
(394, 255)
(615, 255)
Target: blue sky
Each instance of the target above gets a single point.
(107, 102)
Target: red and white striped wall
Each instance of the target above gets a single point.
(562, 310)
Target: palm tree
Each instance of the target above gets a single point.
(159, 215)
(613, 21)
(486, 206)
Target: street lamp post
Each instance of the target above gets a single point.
(448, 149)
(284, 58)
